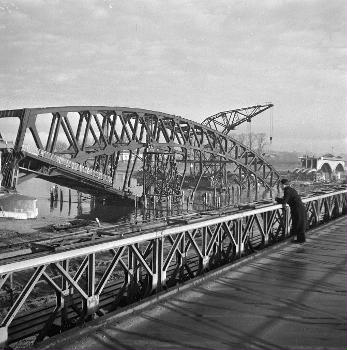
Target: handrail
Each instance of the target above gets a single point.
(107, 266)
(98, 247)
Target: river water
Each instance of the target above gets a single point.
(81, 206)
(71, 204)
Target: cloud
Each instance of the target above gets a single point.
(192, 58)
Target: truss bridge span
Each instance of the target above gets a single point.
(115, 145)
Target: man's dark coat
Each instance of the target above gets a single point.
(297, 211)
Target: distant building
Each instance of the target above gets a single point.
(327, 167)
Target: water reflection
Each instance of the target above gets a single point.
(62, 202)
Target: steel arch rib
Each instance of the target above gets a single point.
(111, 130)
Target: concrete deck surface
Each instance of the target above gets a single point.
(292, 298)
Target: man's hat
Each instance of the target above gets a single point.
(284, 182)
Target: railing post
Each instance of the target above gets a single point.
(130, 275)
(316, 205)
(156, 265)
(92, 303)
(286, 221)
(182, 257)
(339, 201)
(63, 297)
(239, 232)
(205, 258)
(266, 229)
(161, 271)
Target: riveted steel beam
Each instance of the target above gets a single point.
(162, 144)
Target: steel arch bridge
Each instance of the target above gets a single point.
(82, 147)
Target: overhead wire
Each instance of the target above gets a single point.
(250, 133)
(271, 128)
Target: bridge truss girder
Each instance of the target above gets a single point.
(165, 147)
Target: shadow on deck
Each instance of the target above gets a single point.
(293, 297)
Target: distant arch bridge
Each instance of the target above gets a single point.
(328, 165)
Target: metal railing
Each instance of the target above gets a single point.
(85, 280)
(61, 161)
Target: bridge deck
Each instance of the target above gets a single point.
(293, 297)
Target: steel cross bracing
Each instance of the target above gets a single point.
(228, 120)
(164, 147)
(98, 275)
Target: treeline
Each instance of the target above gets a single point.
(256, 141)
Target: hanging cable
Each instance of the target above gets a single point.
(270, 129)
(250, 133)
(271, 125)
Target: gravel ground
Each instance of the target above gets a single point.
(19, 231)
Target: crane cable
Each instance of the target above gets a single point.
(271, 127)
(250, 133)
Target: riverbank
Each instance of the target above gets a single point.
(19, 231)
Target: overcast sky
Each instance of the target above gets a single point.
(189, 58)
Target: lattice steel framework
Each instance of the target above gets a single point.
(165, 147)
(103, 271)
(227, 121)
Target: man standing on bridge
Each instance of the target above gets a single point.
(297, 210)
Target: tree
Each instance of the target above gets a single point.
(260, 142)
(256, 142)
(60, 146)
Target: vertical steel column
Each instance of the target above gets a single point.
(285, 212)
(50, 133)
(15, 175)
(156, 265)
(161, 259)
(182, 258)
(56, 133)
(266, 229)
(130, 278)
(66, 295)
(239, 233)
(92, 302)
(318, 209)
(205, 258)
(127, 175)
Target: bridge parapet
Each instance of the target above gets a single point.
(117, 266)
